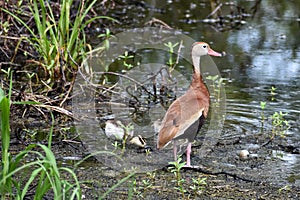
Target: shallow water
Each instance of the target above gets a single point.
(262, 53)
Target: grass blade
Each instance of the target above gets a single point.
(116, 185)
(5, 136)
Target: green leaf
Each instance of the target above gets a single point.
(2, 94)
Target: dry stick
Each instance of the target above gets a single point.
(8, 63)
(38, 109)
(129, 78)
(4, 52)
(155, 20)
(16, 49)
(178, 55)
(92, 84)
(56, 108)
(11, 38)
(68, 93)
(110, 89)
(267, 142)
(215, 10)
(97, 85)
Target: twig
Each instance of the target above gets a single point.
(155, 20)
(215, 10)
(9, 63)
(56, 108)
(235, 176)
(88, 81)
(267, 142)
(68, 93)
(127, 77)
(178, 55)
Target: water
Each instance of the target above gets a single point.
(263, 51)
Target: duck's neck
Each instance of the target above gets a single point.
(197, 81)
(196, 64)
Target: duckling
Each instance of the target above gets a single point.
(115, 129)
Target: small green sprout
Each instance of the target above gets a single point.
(198, 185)
(273, 93)
(217, 83)
(279, 124)
(127, 129)
(263, 107)
(171, 47)
(175, 168)
(125, 58)
(116, 145)
(107, 35)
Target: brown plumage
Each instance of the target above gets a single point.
(186, 115)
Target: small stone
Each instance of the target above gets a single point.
(244, 154)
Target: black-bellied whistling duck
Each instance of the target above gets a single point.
(186, 115)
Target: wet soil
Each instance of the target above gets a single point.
(228, 176)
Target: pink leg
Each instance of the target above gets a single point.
(188, 154)
(175, 150)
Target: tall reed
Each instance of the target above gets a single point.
(59, 40)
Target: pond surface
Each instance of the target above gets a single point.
(262, 42)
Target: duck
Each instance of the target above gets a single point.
(186, 115)
(115, 129)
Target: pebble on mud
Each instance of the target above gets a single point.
(243, 154)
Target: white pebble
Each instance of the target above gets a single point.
(244, 154)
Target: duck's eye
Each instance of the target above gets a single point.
(204, 46)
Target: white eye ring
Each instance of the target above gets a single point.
(204, 46)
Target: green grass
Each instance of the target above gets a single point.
(60, 41)
(175, 169)
(6, 182)
(43, 172)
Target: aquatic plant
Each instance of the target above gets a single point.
(175, 169)
(146, 184)
(262, 107)
(116, 145)
(60, 41)
(216, 83)
(278, 121)
(125, 59)
(279, 124)
(273, 93)
(171, 62)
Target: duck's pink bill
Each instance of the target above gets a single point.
(214, 53)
